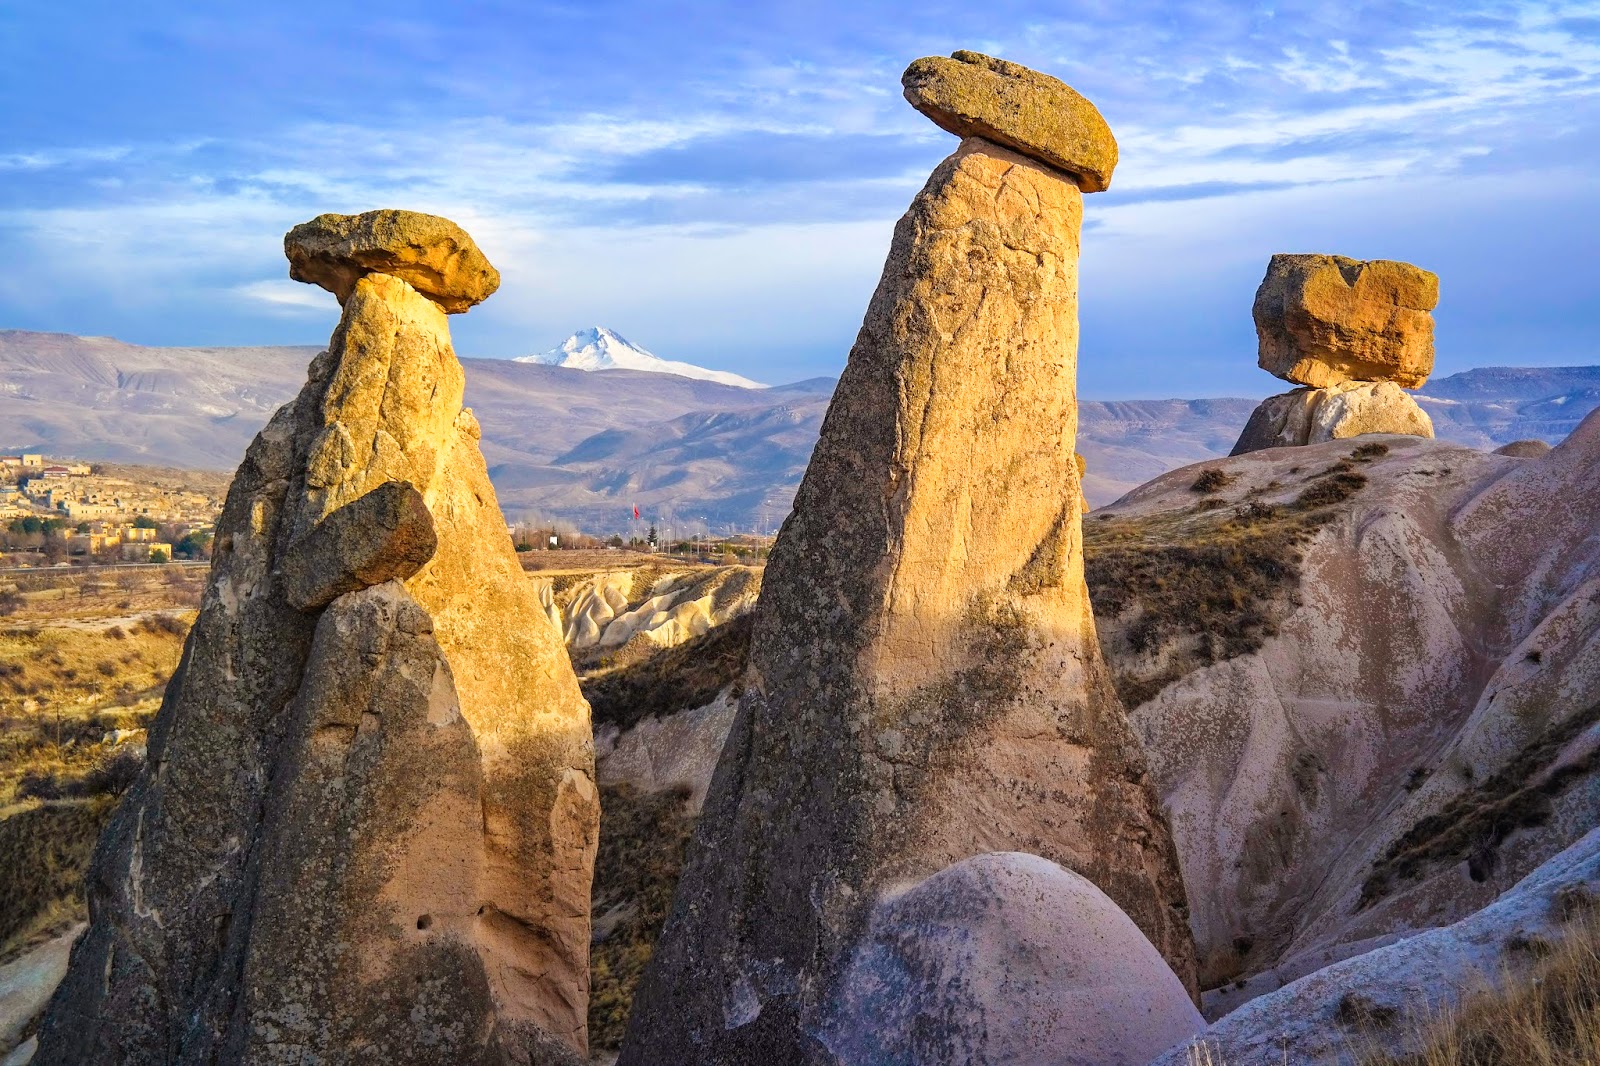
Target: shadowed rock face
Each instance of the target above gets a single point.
(925, 683)
(367, 829)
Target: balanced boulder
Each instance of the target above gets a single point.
(1323, 320)
(925, 682)
(1355, 334)
(432, 254)
(974, 95)
(368, 824)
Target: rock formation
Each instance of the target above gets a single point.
(1354, 334)
(925, 683)
(1028, 964)
(1411, 733)
(369, 820)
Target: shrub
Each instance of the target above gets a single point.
(1213, 480)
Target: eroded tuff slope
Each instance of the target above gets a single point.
(1382, 716)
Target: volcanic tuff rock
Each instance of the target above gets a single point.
(432, 254)
(924, 682)
(1028, 965)
(367, 829)
(1414, 731)
(1338, 412)
(1324, 319)
(974, 95)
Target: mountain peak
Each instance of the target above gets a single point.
(599, 348)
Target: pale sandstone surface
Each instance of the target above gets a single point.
(1523, 449)
(925, 683)
(614, 607)
(27, 982)
(677, 750)
(313, 736)
(1327, 1017)
(1006, 958)
(1444, 654)
(1338, 412)
(432, 254)
(974, 95)
(1325, 319)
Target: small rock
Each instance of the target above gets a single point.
(386, 534)
(1323, 320)
(434, 255)
(1523, 449)
(974, 95)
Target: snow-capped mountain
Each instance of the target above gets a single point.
(598, 348)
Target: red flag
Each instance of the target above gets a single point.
(635, 512)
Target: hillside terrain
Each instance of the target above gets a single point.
(587, 446)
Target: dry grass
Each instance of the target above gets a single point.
(44, 850)
(1473, 824)
(675, 679)
(1184, 589)
(643, 837)
(1548, 1015)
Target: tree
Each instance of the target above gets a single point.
(83, 527)
(650, 537)
(196, 545)
(615, 541)
(157, 555)
(144, 521)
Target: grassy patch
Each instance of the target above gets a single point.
(673, 679)
(643, 837)
(1185, 589)
(1474, 824)
(1549, 1015)
(44, 851)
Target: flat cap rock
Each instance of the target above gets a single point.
(974, 95)
(432, 254)
(1323, 320)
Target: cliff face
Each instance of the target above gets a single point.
(1407, 731)
(925, 684)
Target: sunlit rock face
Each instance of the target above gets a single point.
(369, 820)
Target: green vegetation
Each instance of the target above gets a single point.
(1185, 589)
(643, 838)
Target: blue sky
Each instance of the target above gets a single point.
(718, 181)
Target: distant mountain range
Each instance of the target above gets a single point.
(598, 348)
(587, 447)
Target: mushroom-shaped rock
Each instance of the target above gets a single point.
(1323, 320)
(974, 95)
(1007, 957)
(434, 255)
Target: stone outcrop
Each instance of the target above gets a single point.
(1413, 732)
(1385, 999)
(1323, 320)
(1350, 409)
(925, 683)
(1006, 958)
(617, 608)
(1356, 334)
(974, 95)
(431, 254)
(369, 819)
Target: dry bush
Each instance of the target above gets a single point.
(674, 679)
(44, 851)
(643, 837)
(1548, 1015)
(1184, 589)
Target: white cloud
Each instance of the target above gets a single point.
(288, 296)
